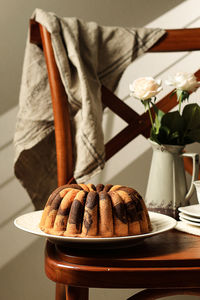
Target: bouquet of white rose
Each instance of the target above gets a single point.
(172, 128)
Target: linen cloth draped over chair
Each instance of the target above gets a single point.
(87, 56)
(167, 261)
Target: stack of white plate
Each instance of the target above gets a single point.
(190, 214)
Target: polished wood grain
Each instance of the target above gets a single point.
(60, 292)
(187, 39)
(76, 293)
(168, 260)
(61, 113)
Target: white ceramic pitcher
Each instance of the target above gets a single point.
(167, 188)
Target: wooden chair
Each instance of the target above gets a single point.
(170, 262)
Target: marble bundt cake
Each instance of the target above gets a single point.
(85, 210)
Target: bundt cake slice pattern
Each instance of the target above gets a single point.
(54, 211)
(133, 216)
(48, 207)
(64, 209)
(90, 218)
(120, 220)
(86, 210)
(74, 225)
(106, 226)
(140, 207)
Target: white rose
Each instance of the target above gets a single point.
(183, 81)
(145, 87)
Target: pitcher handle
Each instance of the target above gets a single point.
(195, 173)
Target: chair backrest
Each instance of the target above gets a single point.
(173, 40)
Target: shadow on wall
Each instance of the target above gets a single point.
(24, 277)
(134, 13)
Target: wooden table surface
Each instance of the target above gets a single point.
(170, 259)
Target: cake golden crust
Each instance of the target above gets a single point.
(86, 210)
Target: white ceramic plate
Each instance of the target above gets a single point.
(189, 218)
(191, 210)
(190, 222)
(29, 223)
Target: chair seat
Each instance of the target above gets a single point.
(171, 258)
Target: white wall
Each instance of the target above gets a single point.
(21, 254)
(14, 18)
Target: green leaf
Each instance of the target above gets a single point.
(174, 121)
(158, 117)
(171, 129)
(146, 103)
(175, 135)
(183, 95)
(176, 129)
(191, 116)
(193, 136)
(162, 137)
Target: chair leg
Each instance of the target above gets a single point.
(153, 294)
(76, 293)
(60, 291)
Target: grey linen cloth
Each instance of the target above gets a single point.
(87, 56)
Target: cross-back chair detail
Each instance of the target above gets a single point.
(173, 40)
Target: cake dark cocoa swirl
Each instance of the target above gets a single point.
(86, 210)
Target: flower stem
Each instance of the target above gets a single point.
(150, 115)
(179, 98)
(179, 105)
